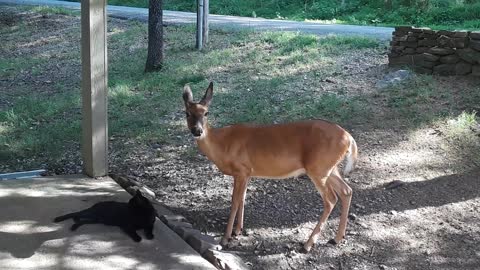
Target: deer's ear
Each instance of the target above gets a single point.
(207, 98)
(187, 94)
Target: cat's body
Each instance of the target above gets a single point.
(137, 214)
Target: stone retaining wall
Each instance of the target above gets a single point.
(436, 52)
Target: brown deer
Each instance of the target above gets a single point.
(314, 147)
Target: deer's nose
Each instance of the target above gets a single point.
(196, 131)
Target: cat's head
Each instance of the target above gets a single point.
(139, 201)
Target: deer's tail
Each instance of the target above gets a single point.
(351, 157)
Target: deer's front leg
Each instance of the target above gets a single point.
(241, 207)
(238, 197)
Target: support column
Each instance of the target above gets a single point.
(206, 12)
(94, 88)
(199, 44)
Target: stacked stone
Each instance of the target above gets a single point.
(436, 52)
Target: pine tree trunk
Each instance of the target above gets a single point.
(388, 4)
(155, 36)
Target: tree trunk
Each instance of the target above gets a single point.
(388, 4)
(155, 36)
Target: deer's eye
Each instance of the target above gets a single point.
(188, 114)
(205, 114)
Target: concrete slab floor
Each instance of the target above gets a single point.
(30, 240)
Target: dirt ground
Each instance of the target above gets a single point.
(430, 221)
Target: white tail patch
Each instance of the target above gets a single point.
(351, 157)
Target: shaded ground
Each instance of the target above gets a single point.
(414, 132)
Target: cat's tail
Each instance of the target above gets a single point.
(64, 217)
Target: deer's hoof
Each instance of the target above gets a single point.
(332, 242)
(238, 232)
(224, 242)
(305, 249)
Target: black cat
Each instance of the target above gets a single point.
(137, 214)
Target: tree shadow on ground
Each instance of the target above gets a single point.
(284, 198)
(445, 245)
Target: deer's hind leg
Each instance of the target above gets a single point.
(344, 191)
(320, 180)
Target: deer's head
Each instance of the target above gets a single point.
(197, 112)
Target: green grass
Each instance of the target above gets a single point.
(424, 99)
(47, 10)
(464, 122)
(39, 125)
(413, 100)
(462, 133)
(290, 42)
(9, 67)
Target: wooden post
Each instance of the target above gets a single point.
(205, 22)
(94, 87)
(199, 44)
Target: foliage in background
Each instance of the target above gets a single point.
(435, 13)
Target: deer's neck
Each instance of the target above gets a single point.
(209, 144)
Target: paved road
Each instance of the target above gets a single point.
(177, 17)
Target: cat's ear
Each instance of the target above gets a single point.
(138, 199)
(135, 198)
(139, 194)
